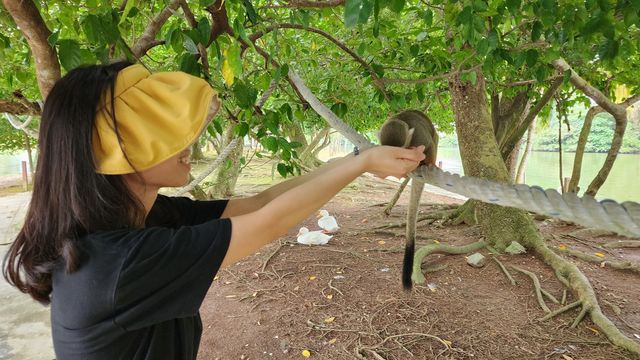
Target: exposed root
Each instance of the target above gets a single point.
(536, 285)
(622, 244)
(584, 292)
(465, 214)
(580, 316)
(440, 215)
(446, 344)
(561, 310)
(619, 265)
(505, 271)
(275, 251)
(394, 200)
(417, 275)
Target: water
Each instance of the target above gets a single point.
(10, 164)
(542, 169)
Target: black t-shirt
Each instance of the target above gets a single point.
(138, 292)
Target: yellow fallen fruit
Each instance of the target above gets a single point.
(333, 341)
(306, 353)
(436, 241)
(312, 277)
(600, 254)
(562, 247)
(330, 296)
(381, 242)
(329, 320)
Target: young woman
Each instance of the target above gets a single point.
(125, 269)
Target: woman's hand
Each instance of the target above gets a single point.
(384, 161)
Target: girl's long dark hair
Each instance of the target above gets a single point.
(70, 199)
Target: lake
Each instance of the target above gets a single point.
(542, 169)
(10, 164)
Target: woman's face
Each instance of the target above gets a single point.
(174, 171)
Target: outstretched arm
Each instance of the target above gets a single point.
(252, 231)
(237, 207)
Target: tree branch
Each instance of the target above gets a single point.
(19, 108)
(219, 20)
(30, 22)
(148, 38)
(307, 4)
(376, 80)
(202, 51)
(445, 76)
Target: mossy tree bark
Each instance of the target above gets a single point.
(228, 172)
(481, 157)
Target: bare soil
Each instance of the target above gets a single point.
(345, 300)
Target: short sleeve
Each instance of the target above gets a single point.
(167, 272)
(180, 211)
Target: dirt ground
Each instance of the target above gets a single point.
(345, 300)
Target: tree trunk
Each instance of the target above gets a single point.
(560, 154)
(196, 151)
(582, 143)
(527, 151)
(228, 172)
(309, 155)
(512, 161)
(616, 143)
(482, 158)
(28, 19)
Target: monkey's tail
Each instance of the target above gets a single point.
(407, 265)
(412, 217)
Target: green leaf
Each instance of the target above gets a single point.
(514, 6)
(479, 5)
(465, 16)
(282, 170)
(241, 129)
(352, 12)
(233, 57)
(189, 64)
(536, 31)
(473, 77)
(365, 11)
(531, 56)
(492, 39)
(340, 109)
(482, 48)
(608, 49)
(69, 54)
(421, 36)
(396, 5)
(251, 12)
(127, 9)
(414, 50)
(52, 39)
(428, 17)
(270, 143)
(566, 76)
(204, 28)
(245, 95)
(190, 45)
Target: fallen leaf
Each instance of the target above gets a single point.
(329, 320)
(381, 242)
(566, 357)
(600, 254)
(306, 353)
(312, 277)
(562, 247)
(436, 241)
(602, 264)
(447, 342)
(333, 341)
(595, 331)
(330, 296)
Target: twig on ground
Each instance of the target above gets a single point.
(536, 285)
(335, 288)
(561, 310)
(275, 251)
(505, 271)
(588, 243)
(616, 264)
(583, 312)
(622, 244)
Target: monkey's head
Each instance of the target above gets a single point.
(395, 133)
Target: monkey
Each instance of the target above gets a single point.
(411, 128)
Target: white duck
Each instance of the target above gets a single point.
(327, 223)
(312, 237)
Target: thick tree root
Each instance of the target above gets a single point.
(569, 273)
(536, 285)
(465, 214)
(505, 271)
(417, 275)
(622, 244)
(619, 265)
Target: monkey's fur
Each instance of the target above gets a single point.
(411, 128)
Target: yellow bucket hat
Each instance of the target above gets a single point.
(158, 116)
